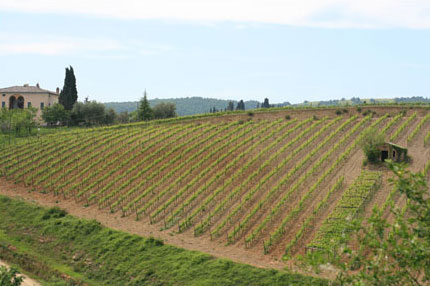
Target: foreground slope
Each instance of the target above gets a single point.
(62, 250)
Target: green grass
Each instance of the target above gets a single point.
(48, 243)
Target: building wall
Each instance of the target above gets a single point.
(36, 99)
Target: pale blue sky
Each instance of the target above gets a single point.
(311, 53)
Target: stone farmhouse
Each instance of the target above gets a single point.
(26, 96)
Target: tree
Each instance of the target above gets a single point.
(164, 110)
(265, 104)
(393, 252)
(372, 139)
(91, 113)
(16, 120)
(110, 116)
(9, 277)
(54, 114)
(240, 105)
(144, 111)
(230, 106)
(123, 117)
(69, 93)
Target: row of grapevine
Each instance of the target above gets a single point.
(49, 171)
(249, 194)
(392, 122)
(352, 201)
(221, 205)
(418, 127)
(75, 163)
(152, 165)
(403, 126)
(311, 218)
(28, 164)
(134, 197)
(203, 172)
(279, 231)
(210, 133)
(126, 156)
(160, 144)
(241, 158)
(322, 203)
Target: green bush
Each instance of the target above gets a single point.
(372, 139)
(54, 212)
(8, 277)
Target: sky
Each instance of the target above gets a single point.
(285, 50)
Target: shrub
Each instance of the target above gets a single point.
(154, 241)
(287, 117)
(338, 112)
(250, 113)
(9, 277)
(358, 109)
(372, 139)
(367, 112)
(54, 212)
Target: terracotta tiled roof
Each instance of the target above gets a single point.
(25, 89)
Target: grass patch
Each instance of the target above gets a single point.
(91, 254)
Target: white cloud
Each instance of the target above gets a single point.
(319, 13)
(50, 45)
(53, 46)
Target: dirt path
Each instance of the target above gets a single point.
(27, 280)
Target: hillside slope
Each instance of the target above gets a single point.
(259, 184)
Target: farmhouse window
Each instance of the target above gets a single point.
(42, 105)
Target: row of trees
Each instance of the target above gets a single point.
(82, 113)
(71, 112)
(230, 107)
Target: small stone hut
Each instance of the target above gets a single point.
(393, 152)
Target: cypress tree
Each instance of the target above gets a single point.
(240, 105)
(145, 111)
(69, 93)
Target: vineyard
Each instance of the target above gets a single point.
(275, 186)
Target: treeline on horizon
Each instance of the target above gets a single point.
(200, 105)
(188, 105)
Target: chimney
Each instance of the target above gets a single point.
(37, 85)
(25, 84)
(58, 90)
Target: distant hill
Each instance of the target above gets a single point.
(184, 106)
(200, 105)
